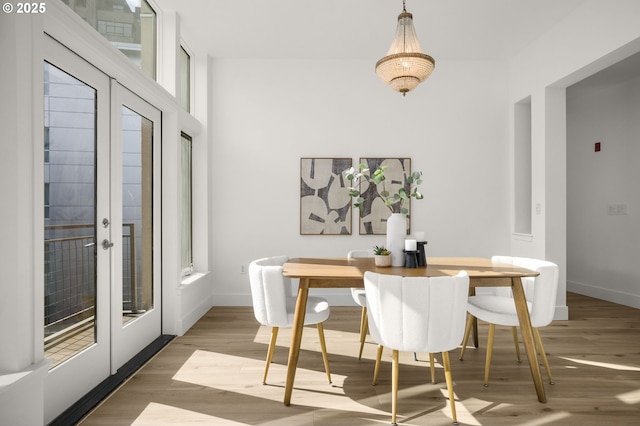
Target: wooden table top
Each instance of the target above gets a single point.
(343, 268)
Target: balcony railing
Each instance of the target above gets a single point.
(70, 278)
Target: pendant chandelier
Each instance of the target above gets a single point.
(405, 65)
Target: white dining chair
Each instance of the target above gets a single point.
(274, 304)
(497, 307)
(360, 298)
(416, 314)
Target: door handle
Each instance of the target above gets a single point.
(106, 244)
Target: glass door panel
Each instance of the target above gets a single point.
(137, 214)
(70, 214)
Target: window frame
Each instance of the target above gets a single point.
(186, 205)
(188, 87)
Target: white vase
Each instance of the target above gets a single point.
(396, 234)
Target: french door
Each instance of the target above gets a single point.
(102, 226)
(135, 213)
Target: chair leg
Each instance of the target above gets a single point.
(514, 330)
(449, 380)
(487, 365)
(364, 327)
(433, 368)
(376, 369)
(394, 387)
(543, 355)
(467, 331)
(475, 333)
(323, 346)
(272, 345)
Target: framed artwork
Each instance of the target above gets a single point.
(325, 204)
(374, 213)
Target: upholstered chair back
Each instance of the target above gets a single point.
(541, 291)
(270, 291)
(417, 314)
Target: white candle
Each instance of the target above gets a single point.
(420, 236)
(410, 245)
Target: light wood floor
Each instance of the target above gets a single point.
(213, 376)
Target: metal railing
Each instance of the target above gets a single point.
(70, 279)
(130, 291)
(70, 276)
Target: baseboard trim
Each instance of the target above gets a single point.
(84, 405)
(610, 295)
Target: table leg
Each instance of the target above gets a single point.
(527, 336)
(296, 337)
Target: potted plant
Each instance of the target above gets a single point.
(381, 256)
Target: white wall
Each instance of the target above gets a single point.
(22, 368)
(268, 114)
(603, 249)
(567, 53)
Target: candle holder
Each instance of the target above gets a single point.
(410, 245)
(422, 253)
(410, 259)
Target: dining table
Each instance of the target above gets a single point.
(348, 273)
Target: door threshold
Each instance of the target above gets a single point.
(87, 403)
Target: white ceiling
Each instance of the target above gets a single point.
(363, 29)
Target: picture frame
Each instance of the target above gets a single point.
(374, 213)
(325, 204)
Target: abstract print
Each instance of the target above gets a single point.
(325, 204)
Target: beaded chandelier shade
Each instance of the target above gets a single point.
(405, 65)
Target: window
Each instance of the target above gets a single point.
(186, 205)
(522, 167)
(185, 79)
(130, 26)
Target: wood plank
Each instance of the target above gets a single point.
(213, 375)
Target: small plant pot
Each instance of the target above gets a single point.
(382, 260)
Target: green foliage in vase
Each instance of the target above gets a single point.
(395, 202)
